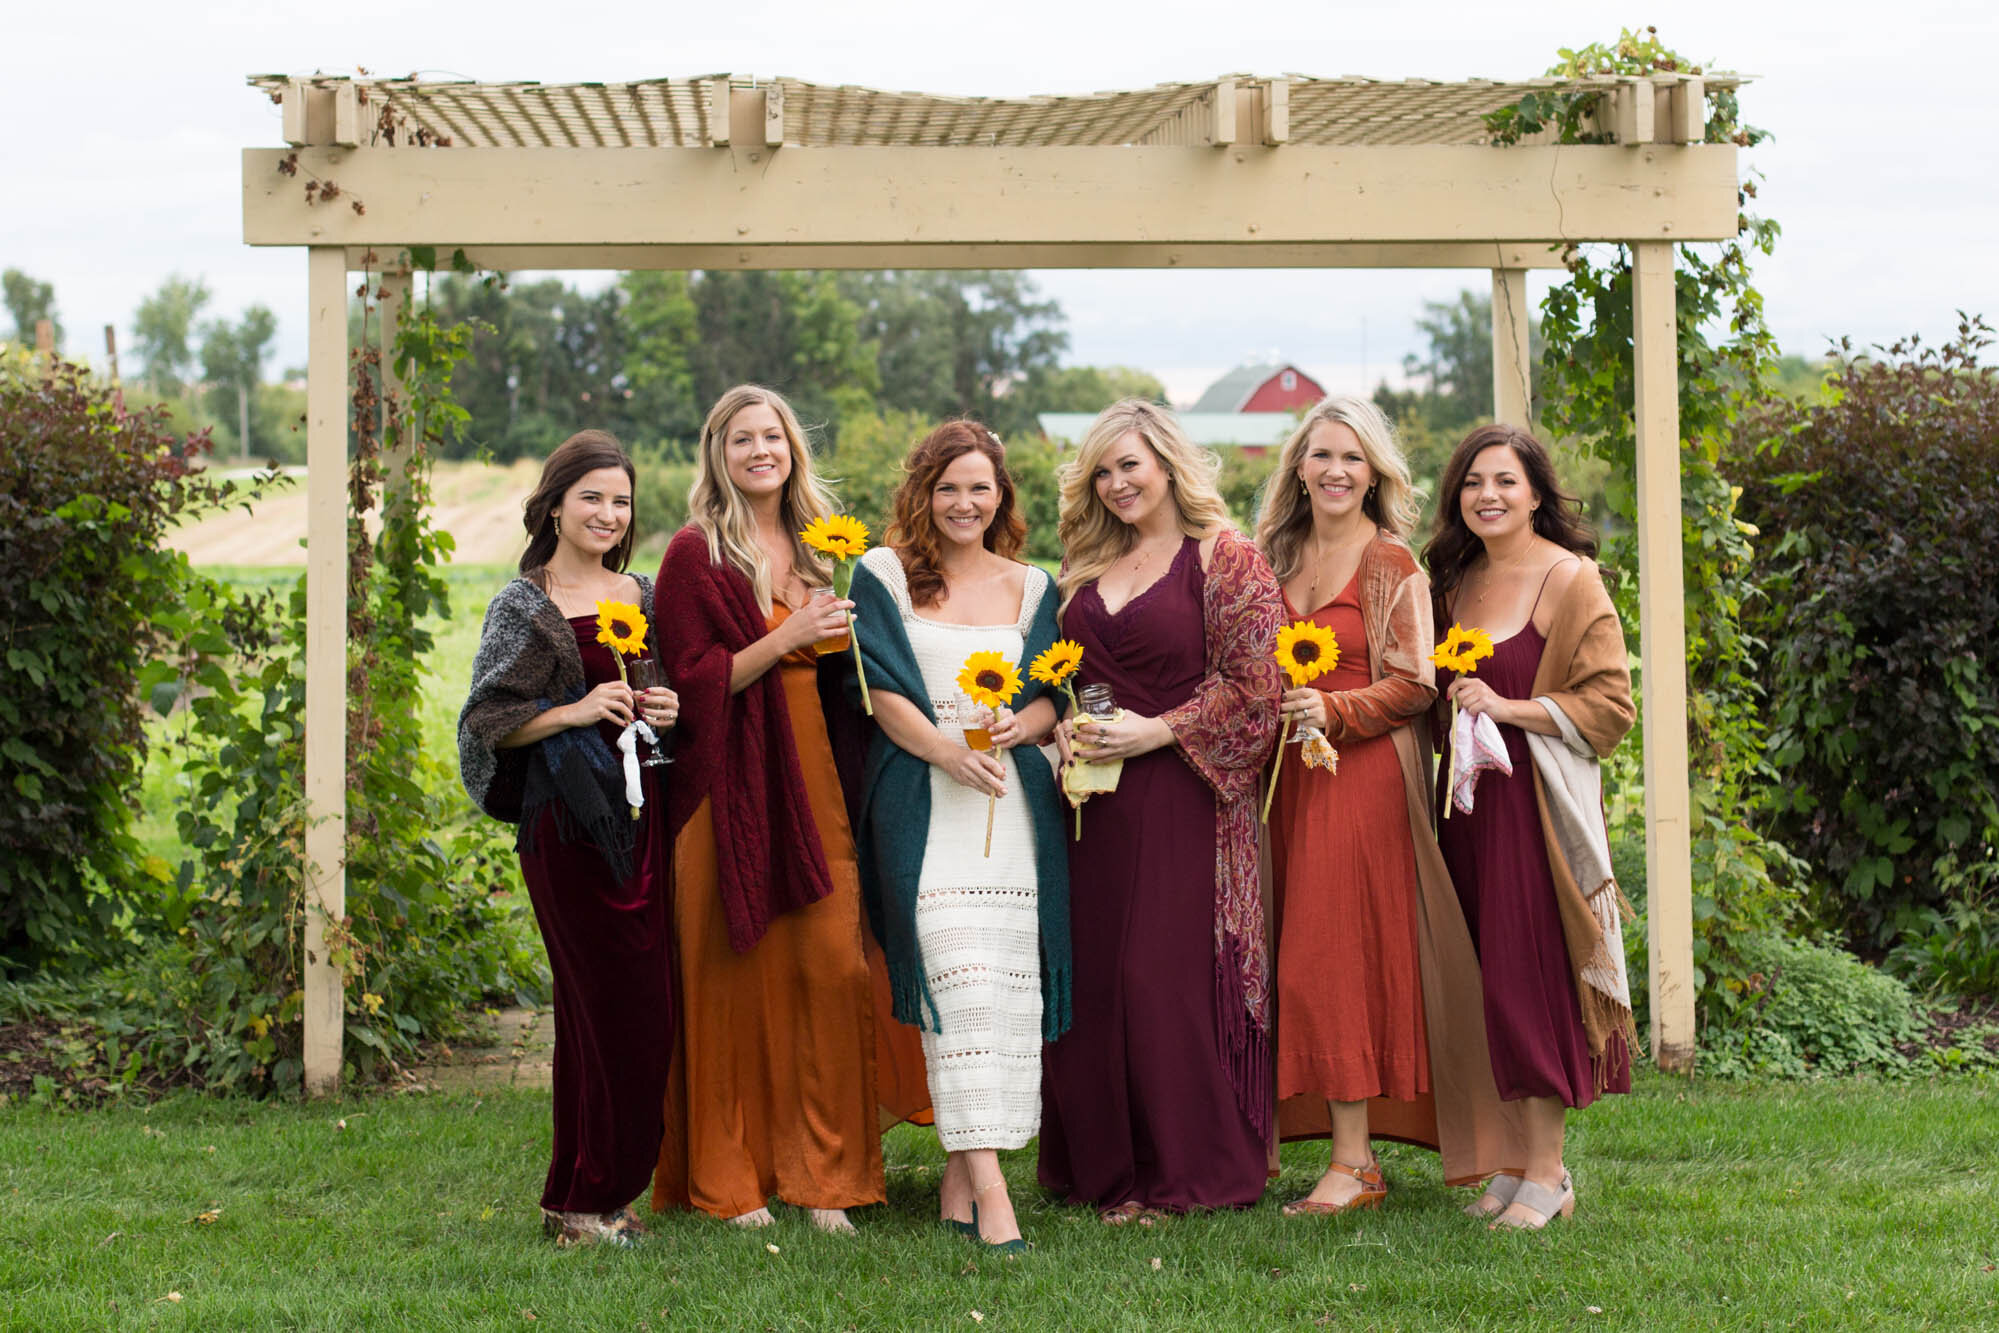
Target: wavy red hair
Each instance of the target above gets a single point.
(912, 532)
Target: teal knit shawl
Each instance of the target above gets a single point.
(895, 814)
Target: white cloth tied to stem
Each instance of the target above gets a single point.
(628, 749)
(1476, 745)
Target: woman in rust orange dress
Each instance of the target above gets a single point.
(787, 1065)
(1379, 1032)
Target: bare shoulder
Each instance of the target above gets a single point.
(1563, 571)
(1208, 545)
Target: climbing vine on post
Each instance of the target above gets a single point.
(1588, 362)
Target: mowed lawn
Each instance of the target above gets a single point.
(1829, 1205)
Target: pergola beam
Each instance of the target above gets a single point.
(899, 255)
(970, 195)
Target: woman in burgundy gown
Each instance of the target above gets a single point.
(1158, 1099)
(538, 747)
(1511, 556)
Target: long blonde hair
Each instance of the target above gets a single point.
(1092, 536)
(1285, 517)
(723, 514)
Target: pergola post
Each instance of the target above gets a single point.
(325, 659)
(1662, 656)
(392, 284)
(1512, 401)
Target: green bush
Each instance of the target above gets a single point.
(86, 495)
(1815, 1010)
(1879, 509)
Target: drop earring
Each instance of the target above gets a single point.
(555, 520)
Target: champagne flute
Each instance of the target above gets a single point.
(646, 675)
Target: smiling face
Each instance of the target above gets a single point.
(1130, 481)
(596, 512)
(964, 499)
(756, 451)
(1335, 470)
(1496, 499)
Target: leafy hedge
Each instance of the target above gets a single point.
(1880, 517)
(86, 494)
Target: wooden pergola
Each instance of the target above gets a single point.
(1238, 172)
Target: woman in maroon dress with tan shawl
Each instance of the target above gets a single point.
(786, 1063)
(1530, 860)
(1159, 1097)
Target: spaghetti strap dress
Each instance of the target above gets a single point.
(1498, 860)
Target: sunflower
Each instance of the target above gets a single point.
(1462, 649)
(1306, 650)
(989, 679)
(841, 536)
(621, 627)
(1055, 666)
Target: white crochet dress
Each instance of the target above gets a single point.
(977, 922)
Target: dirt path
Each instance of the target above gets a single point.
(521, 1055)
(479, 504)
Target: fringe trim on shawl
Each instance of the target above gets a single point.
(1606, 1022)
(910, 996)
(600, 833)
(1244, 1045)
(1056, 1014)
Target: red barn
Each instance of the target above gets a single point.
(1260, 389)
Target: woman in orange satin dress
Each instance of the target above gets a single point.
(787, 1065)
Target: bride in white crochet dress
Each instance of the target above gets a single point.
(977, 922)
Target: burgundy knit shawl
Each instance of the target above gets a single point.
(735, 750)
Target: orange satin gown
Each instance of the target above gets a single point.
(787, 1066)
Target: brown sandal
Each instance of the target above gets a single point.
(1374, 1188)
(1131, 1210)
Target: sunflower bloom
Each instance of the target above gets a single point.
(1055, 666)
(1306, 650)
(1462, 650)
(621, 627)
(989, 679)
(841, 536)
(844, 538)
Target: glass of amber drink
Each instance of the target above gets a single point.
(836, 643)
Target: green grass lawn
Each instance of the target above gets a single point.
(1828, 1205)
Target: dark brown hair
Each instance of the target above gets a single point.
(1452, 546)
(580, 454)
(913, 533)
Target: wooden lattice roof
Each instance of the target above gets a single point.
(692, 112)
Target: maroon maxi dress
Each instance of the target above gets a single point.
(1136, 1105)
(1499, 862)
(609, 958)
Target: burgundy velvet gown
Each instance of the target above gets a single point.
(608, 954)
(1499, 864)
(1136, 1105)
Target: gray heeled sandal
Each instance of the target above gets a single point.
(1500, 1191)
(1543, 1202)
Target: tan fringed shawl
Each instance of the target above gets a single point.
(1462, 1117)
(1586, 672)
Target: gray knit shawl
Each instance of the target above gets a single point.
(527, 663)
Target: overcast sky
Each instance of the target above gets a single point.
(120, 163)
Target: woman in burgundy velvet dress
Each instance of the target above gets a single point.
(1159, 1098)
(538, 744)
